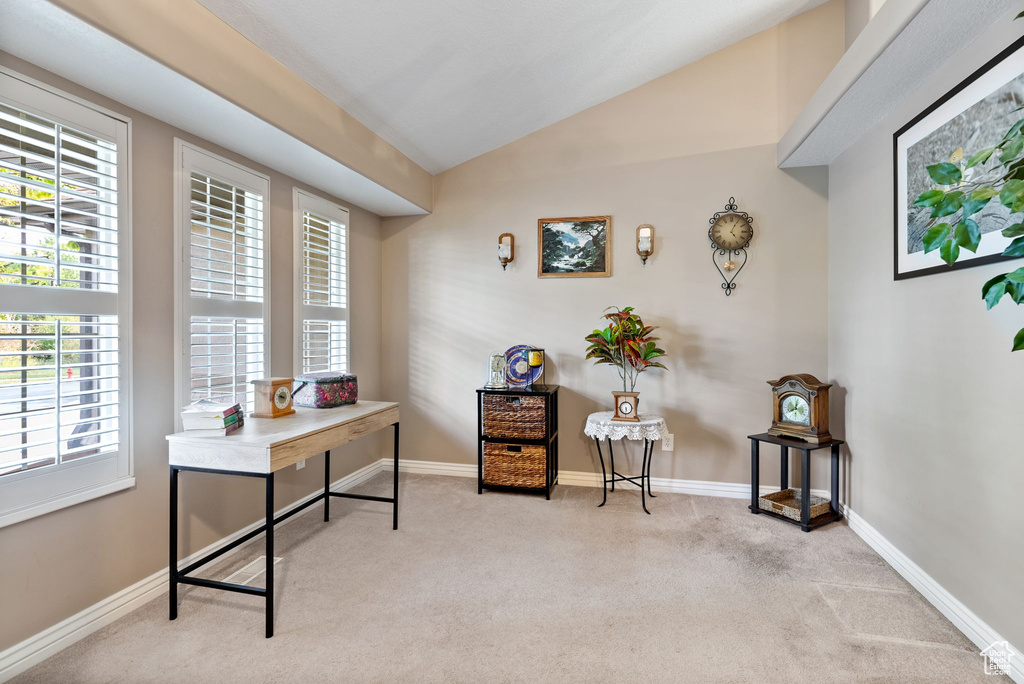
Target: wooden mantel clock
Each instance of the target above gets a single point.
(800, 408)
(273, 397)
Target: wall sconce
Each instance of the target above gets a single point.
(506, 249)
(645, 241)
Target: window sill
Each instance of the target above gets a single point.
(63, 501)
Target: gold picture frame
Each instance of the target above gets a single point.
(574, 247)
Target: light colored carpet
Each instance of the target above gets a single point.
(513, 588)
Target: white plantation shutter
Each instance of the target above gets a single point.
(226, 354)
(321, 268)
(57, 407)
(223, 278)
(64, 412)
(324, 345)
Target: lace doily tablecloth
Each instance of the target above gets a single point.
(601, 426)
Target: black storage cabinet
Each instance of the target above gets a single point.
(517, 437)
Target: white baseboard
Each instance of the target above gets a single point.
(962, 617)
(38, 648)
(579, 478)
(431, 467)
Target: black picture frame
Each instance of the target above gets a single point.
(900, 198)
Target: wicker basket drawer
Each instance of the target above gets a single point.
(515, 465)
(514, 417)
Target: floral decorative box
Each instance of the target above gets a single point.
(325, 389)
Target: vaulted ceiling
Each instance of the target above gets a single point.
(447, 80)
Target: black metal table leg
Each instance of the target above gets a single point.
(611, 457)
(327, 485)
(805, 489)
(644, 473)
(835, 478)
(755, 449)
(270, 555)
(604, 473)
(650, 458)
(479, 444)
(173, 546)
(394, 510)
(784, 477)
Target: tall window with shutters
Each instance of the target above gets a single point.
(321, 284)
(64, 286)
(222, 278)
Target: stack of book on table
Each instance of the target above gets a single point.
(207, 414)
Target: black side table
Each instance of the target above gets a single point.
(806, 523)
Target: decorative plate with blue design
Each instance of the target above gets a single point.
(518, 369)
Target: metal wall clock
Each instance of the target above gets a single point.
(730, 234)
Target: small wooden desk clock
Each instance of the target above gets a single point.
(273, 397)
(626, 407)
(800, 408)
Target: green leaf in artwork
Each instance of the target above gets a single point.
(980, 157)
(1012, 192)
(1015, 248)
(949, 251)
(1015, 18)
(1014, 170)
(978, 199)
(1014, 129)
(950, 204)
(935, 236)
(1016, 276)
(1013, 147)
(1018, 341)
(945, 173)
(1016, 230)
(930, 198)
(973, 206)
(968, 235)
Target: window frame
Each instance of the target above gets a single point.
(305, 201)
(187, 158)
(35, 492)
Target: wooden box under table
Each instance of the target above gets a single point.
(518, 438)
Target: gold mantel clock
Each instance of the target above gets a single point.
(800, 408)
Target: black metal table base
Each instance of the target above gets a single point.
(181, 575)
(645, 473)
(806, 523)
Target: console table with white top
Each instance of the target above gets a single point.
(259, 449)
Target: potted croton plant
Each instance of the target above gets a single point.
(628, 345)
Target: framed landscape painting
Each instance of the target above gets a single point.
(574, 247)
(971, 117)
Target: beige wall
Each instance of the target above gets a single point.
(931, 392)
(58, 564)
(858, 14)
(808, 49)
(669, 153)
